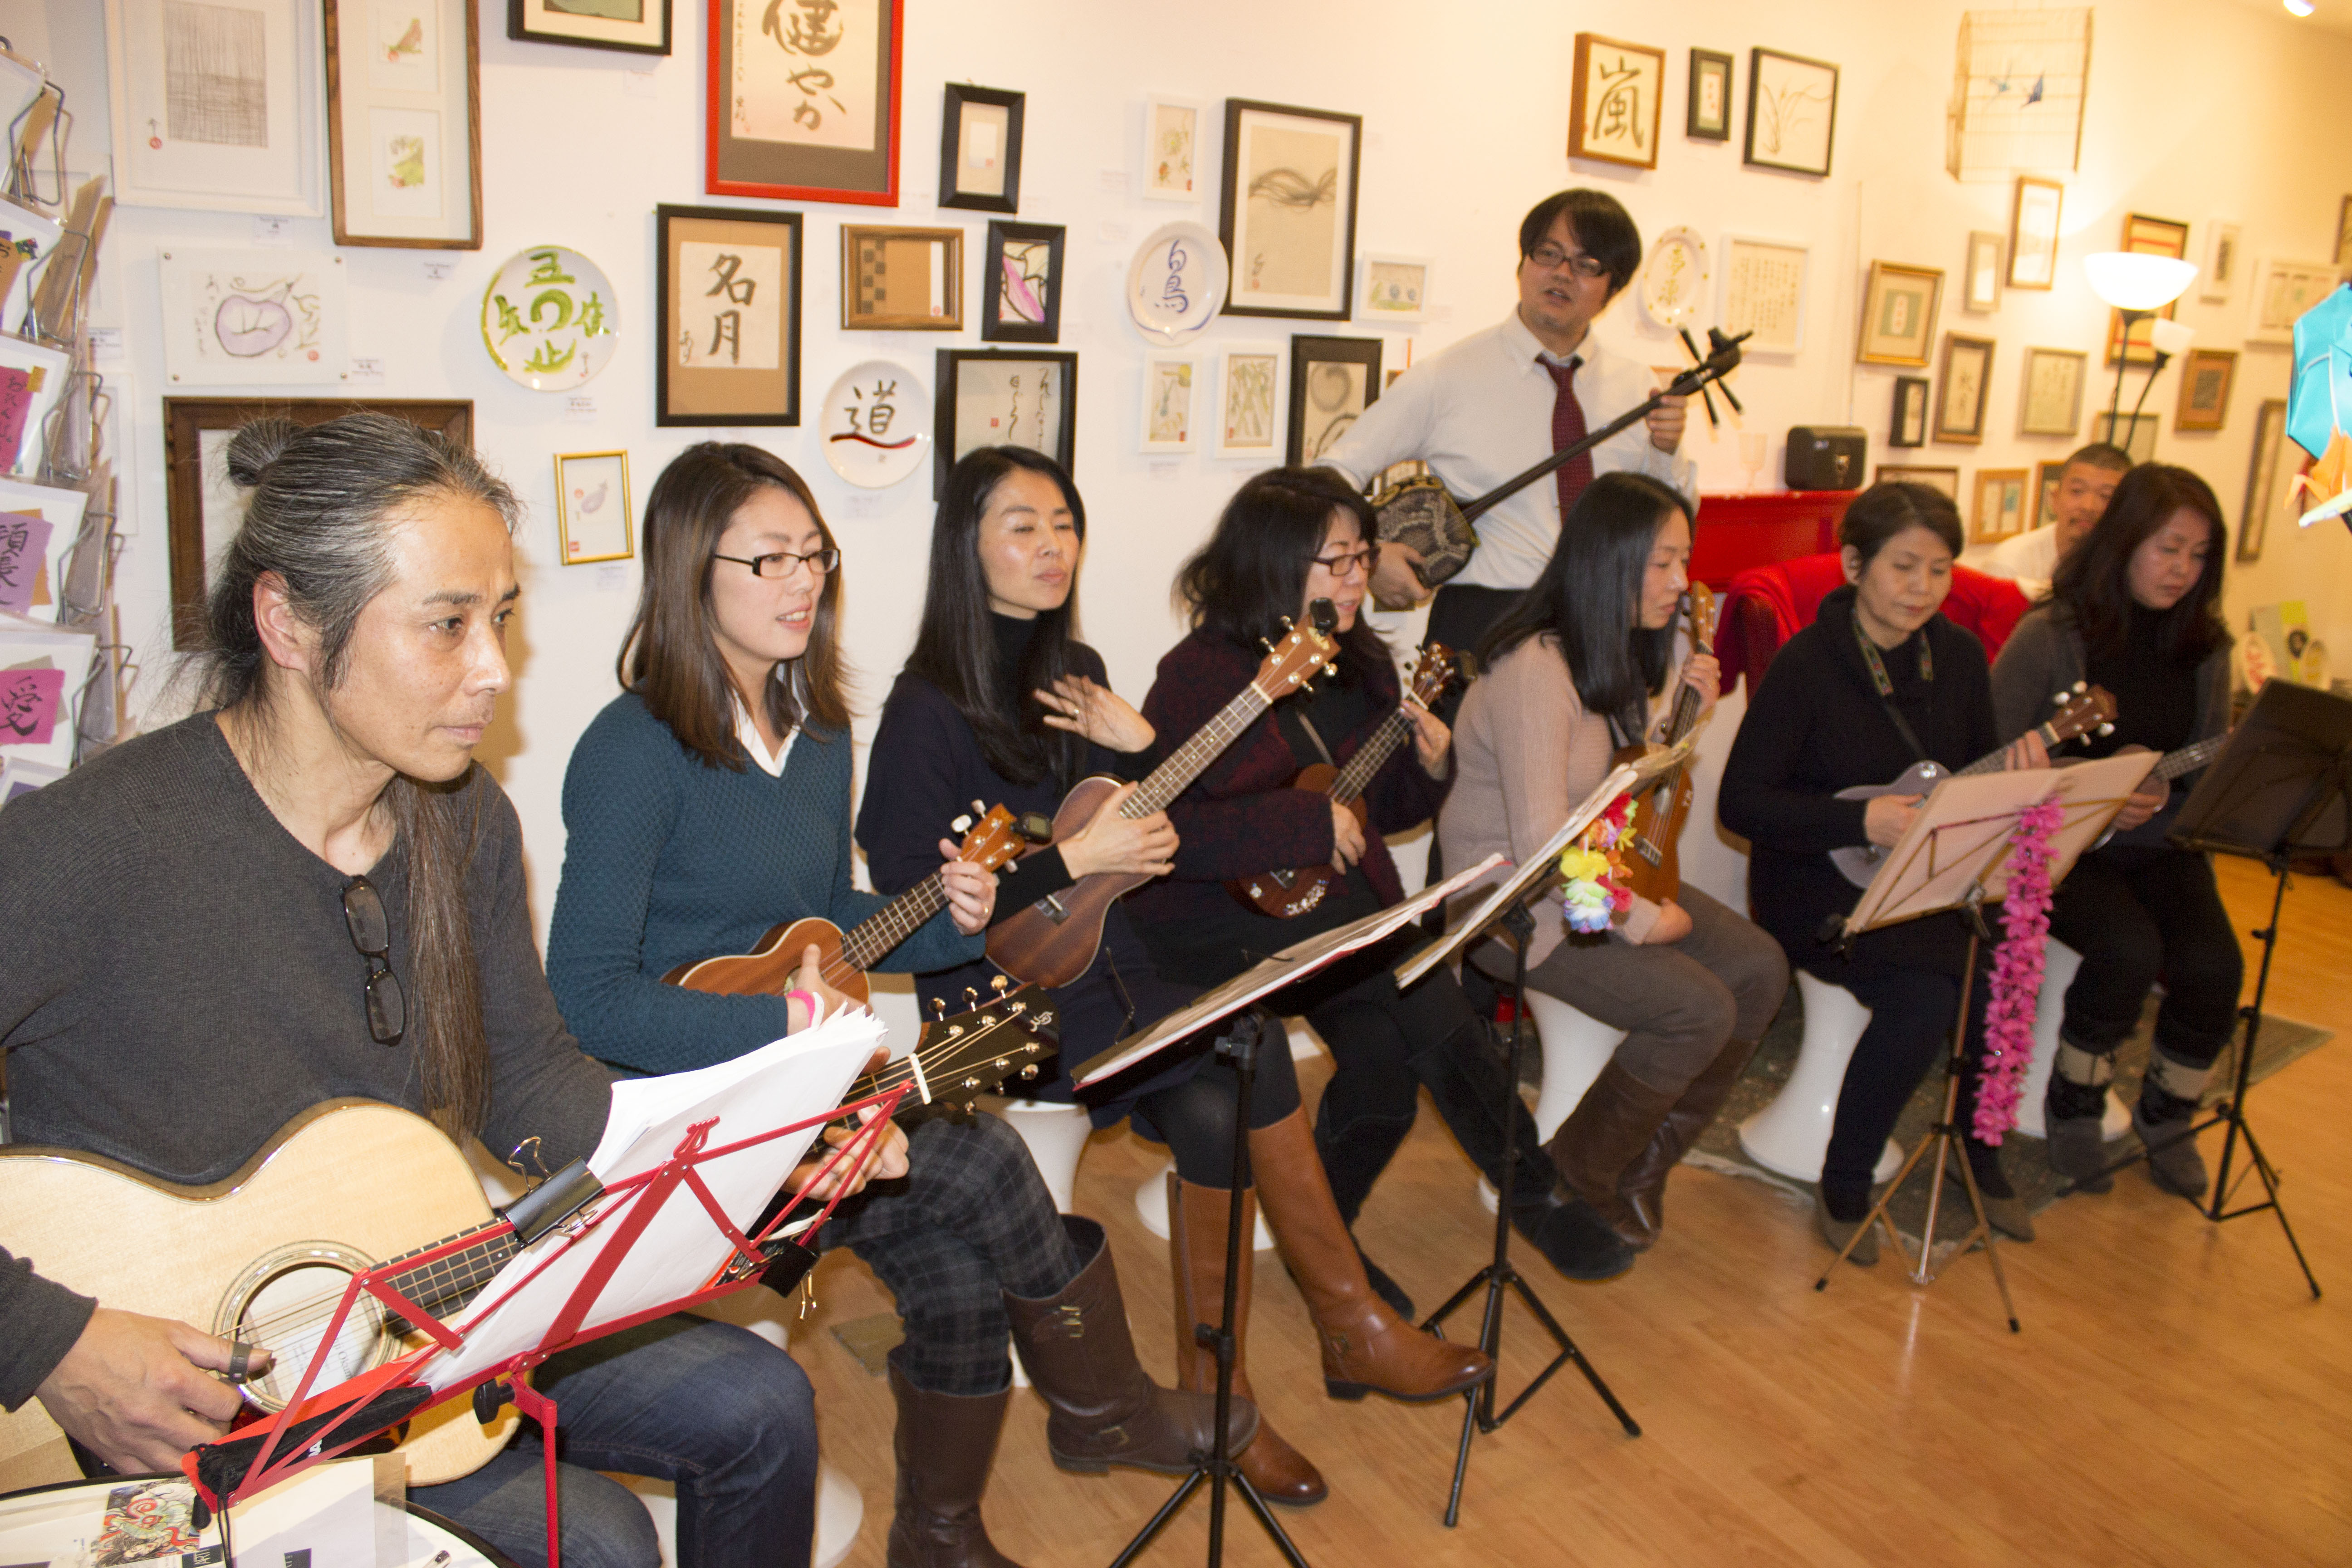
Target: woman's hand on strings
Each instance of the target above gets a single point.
(970, 889)
(1347, 837)
(883, 1156)
(2026, 751)
(1432, 741)
(1131, 846)
(1098, 713)
(1703, 673)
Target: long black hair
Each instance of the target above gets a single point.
(1588, 594)
(955, 646)
(2093, 581)
(1252, 573)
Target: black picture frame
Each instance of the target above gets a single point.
(1703, 63)
(521, 29)
(951, 191)
(1325, 406)
(1776, 115)
(713, 393)
(948, 384)
(1337, 304)
(1907, 425)
(995, 327)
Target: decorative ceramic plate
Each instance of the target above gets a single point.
(1177, 284)
(1673, 280)
(877, 423)
(550, 318)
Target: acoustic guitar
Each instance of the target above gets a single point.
(1287, 894)
(2080, 712)
(1051, 942)
(995, 841)
(262, 1256)
(1654, 818)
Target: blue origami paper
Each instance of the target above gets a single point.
(2319, 396)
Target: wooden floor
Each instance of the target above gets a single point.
(2176, 1397)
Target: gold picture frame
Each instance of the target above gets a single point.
(2206, 375)
(1899, 309)
(901, 279)
(588, 525)
(2000, 511)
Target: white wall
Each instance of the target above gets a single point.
(2198, 111)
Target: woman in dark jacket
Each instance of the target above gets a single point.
(1001, 703)
(2136, 608)
(1879, 682)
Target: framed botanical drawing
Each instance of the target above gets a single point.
(2034, 233)
(2148, 237)
(1707, 116)
(1764, 293)
(1906, 426)
(203, 508)
(640, 26)
(405, 122)
(1898, 314)
(991, 397)
(1287, 218)
(1961, 388)
(591, 507)
(2224, 244)
(2284, 290)
(249, 317)
(2051, 403)
(910, 278)
(1172, 149)
(1249, 383)
(804, 100)
(1394, 289)
(1613, 106)
(1945, 480)
(1332, 381)
(2205, 378)
(729, 279)
(2261, 481)
(1169, 408)
(1791, 111)
(979, 149)
(214, 106)
(1980, 278)
(2000, 510)
(1021, 288)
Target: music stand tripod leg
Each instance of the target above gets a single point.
(1239, 1045)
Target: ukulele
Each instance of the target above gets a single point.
(1654, 818)
(767, 969)
(261, 1257)
(1052, 942)
(2080, 712)
(1288, 894)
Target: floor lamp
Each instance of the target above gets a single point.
(2139, 286)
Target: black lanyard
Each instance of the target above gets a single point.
(1885, 686)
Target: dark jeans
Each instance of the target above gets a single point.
(719, 1411)
(1911, 1017)
(1195, 1118)
(2140, 914)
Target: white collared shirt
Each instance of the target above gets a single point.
(748, 731)
(1480, 412)
(2030, 559)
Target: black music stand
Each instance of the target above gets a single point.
(2281, 787)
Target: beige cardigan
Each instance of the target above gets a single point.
(1525, 752)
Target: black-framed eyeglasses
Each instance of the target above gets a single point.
(783, 564)
(1345, 566)
(1551, 258)
(387, 1006)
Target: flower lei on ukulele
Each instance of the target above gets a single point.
(1594, 890)
(2017, 972)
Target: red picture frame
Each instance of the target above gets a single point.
(783, 171)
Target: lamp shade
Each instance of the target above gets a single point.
(2131, 281)
(2171, 337)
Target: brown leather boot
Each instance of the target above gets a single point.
(1642, 1183)
(1081, 1356)
(945, 1445)
(1610, 1127)
(1367, 1348)
(1196, 1246)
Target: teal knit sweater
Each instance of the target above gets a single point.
(668, 861)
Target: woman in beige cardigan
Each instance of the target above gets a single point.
(1575, 668)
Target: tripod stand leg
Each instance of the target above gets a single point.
(1984, 1227)
(1877, 1215)
(1168, 1511)
(1462, 1455)
(1265, 1517)
(2264, 1169)
(1568, 1351)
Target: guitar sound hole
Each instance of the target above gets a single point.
(284, 1303)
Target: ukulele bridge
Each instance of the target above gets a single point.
(1052, 908)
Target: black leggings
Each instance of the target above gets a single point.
(1195, 1118)
(1911, 1013)
(2139, 915)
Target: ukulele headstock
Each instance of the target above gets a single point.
(993, 842)
(1297, 658)
(2080, 712)
(1699, 604)
(1432, 674)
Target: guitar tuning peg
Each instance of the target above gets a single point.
(939, 1008)
(978, 809)
(999, 983)
(960, 825)
(1265, 644)
(970, 997)
(1285, 623)
(2107, 729)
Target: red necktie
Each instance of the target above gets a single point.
(1568, 429)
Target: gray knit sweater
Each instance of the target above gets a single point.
(179, 983)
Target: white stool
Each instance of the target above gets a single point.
(1151, 1197)
(2059, 963)
(1056, 1135)
(1576, 1046)
(1790, 1135)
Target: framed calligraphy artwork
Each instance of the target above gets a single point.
(591, 507)
(729, 279)
(804, 100)
(1332, 381)
(2000, 510)
(1981, 278)
(1907, 425)
(988, 397)
(1021, 294)
(2205, 378)
(1287, 218)
(1707, 116)
(2034, 233)
(1898, 314)
(1764, 292)
(2052, 402)
(405, 122)
(640, 26)
(1791, 112)
(979, 149)
(1962, 389)
(1613, 109)
(910, 278)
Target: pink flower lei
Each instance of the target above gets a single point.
(2017, 972)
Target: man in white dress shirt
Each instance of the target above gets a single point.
(2086, 481)
(1503, 399)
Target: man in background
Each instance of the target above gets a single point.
(2086, 482)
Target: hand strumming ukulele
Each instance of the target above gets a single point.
(2080, 712)
(1052, 942)
(1291, 893)
(767, 969)
(1655, 817)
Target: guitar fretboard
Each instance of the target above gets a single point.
(449, 1283)
(894, 922)
(2188, 759)
(1356, 776)
(1170, 778)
